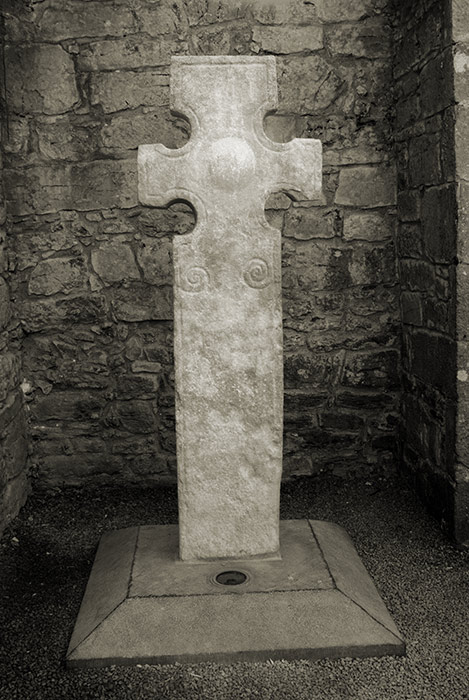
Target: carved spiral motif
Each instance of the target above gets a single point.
(257, 273)
(195, 279)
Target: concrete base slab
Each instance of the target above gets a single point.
(143, 605)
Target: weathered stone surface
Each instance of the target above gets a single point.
(227, 283)
(82, 186)
(154, 256)
(439, 232)
(120, 90)
(368, 226)
(283, 40)
(61, 138)
(128, 130)
(9, 374)
(37, 189)
(142, 302)
(13, 498)
(132, 52)
(68, 406)
(41, 78)
(5, 309)
(14, 447)
(318, 93)
(30, 246)
(54, 313)
(284, 11)
(161, 19)
(102, 184)
(367, 186)
(341, 10)
(366, 39)
(305, 224)
(84, 19)
(114, 261)
(133, 416)
(63, 275)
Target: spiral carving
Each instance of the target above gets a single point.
(257, 273)
(195, 279)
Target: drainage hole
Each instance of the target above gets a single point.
(231, 578)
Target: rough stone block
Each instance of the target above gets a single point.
(40, 78)
(372, 370)
(461, 145)
(341, 10)
(407, 111)
(132, 416)
(367, 186)
(17, 137)
(114, 261)
(33, 243)
(9, 373)
(136, 386)
(303, 97)
(154, 256)
(371, 265)
(409, 240)
(408, 205)
(129, 130)
(436, 84)
(46, 314)
(316, 371)
(68, 406)
(424, 160)
(439, 215)
(142, 302)
(213, 41)
(5, 307)
(417, 275)
(121, 90)
(14, 446)
(433, 361)
(368, 226)
(305, 224)
(62, 138)
(37, 190)
(411, 308)
(128, 53)
(363, 40)
(62, 275)
(283, 12)
(162, 19)
(285, 40)
(84, 19)
(103, 184)
(74, 468)
(13, 498)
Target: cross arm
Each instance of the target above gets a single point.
(161, 174)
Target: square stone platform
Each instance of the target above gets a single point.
(143, 605)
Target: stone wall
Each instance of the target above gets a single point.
(427, 247)
(87, 82)
(14, 484)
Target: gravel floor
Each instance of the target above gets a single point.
(46, 556)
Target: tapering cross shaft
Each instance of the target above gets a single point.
(227, 300)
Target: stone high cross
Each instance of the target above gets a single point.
(227, 300)
(142, 604)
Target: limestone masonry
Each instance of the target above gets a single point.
(86, 293)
